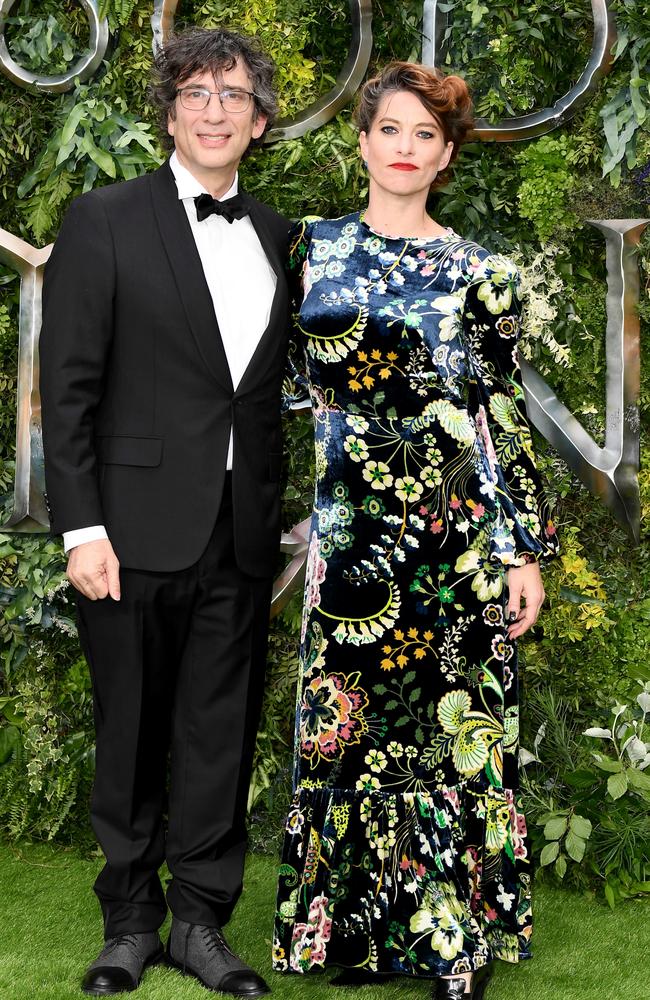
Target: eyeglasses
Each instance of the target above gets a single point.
(198, 98)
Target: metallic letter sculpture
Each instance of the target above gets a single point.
(539, 122)
(83, 68)
(327, 106)
(347, 82)
(609, 472)
(295, 544)
(29, 513)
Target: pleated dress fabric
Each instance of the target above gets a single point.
(405, 846)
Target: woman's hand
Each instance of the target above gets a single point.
(526, 598)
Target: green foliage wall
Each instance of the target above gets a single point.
(587, 796)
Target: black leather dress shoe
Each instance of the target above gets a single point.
(455, 988)
(203, 952)
(120, 964)
(359, 977)
(480, 980)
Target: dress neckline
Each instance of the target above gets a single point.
(449, 234)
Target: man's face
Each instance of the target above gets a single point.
(210, 143)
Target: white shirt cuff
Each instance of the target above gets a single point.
(81, 535)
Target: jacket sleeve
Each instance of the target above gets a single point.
(75, 343)
(295, 389)
(522, 531)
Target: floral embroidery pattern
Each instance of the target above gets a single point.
(405, 849)
(331, 714)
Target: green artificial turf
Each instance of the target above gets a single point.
(50, 930)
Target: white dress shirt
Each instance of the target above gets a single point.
(242, 286)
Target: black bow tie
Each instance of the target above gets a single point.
(230, 209)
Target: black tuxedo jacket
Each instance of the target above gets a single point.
(137, 399)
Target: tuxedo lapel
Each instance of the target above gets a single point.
(188, 273)
(268, 341)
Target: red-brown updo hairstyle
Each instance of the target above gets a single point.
(447, 98)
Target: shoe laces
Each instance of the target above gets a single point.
(121, 939)
(215, 941)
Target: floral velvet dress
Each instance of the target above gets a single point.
(405, 847)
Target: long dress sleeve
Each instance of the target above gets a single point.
(522, 531)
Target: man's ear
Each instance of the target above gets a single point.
(258, 126)
(171, 122)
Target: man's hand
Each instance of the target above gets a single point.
(94, 570)
(524, 582)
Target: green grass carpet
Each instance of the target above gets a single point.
(50, 930)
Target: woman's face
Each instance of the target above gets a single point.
(405, 148)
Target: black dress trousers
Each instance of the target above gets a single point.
(177, 668)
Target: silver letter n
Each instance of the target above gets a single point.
(610, 472)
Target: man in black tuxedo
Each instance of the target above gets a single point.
(162, 352)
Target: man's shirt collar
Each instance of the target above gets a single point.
(187, 184)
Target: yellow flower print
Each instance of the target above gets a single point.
(367, 783)
(378, 475)
(356, 448)
(416, 645)
(377, 760)
(508, 326)
(364, 373)
(454, 420)
(499, 283)
(448, 937)
(452, 709)
(497, 822)
(407, 489)
(470, 752)
(431, 476)
(474, 732)
(488, 579)
(443, 918)
(450, 307)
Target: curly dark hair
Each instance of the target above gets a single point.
(201, 50)
(447, 98)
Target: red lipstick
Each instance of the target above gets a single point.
(403, 166)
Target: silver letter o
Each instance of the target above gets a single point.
(83, 68)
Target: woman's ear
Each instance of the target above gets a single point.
(363, 145)
(446, 157)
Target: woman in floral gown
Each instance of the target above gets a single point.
(405, 849)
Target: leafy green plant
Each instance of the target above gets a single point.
(118, 12)
(548, 312)
(547, 180)
(37, 46)
(629, 755)
(96, 137)
(46, 739)
(47, 43)
(516, 59)
(626, 111)
(567, 834)
(586, 832)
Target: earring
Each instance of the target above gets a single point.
(365, 164)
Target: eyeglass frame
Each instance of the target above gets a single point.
(218, 93)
